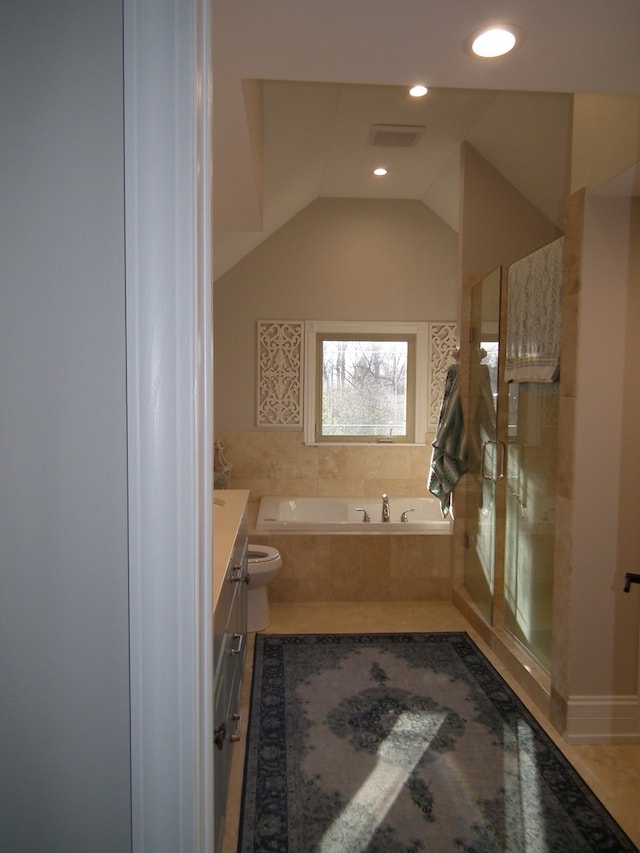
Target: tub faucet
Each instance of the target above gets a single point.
(386, 513)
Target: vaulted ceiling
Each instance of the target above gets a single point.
(299, 84)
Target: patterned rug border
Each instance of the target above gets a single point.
(479, 666)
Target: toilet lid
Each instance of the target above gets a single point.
(260, 553)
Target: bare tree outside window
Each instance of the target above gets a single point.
(364, 387)
(365, 382)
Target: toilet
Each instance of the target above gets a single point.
(264, 565)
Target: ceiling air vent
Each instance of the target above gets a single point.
(394, 135)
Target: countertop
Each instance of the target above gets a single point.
(228, 508)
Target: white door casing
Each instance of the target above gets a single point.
(170, 433)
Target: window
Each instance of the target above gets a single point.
(365, 387)
(364, 382)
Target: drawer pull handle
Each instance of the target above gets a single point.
(238, 648)
(235, 736)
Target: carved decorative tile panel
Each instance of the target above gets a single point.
(280, 349)
(442, 343)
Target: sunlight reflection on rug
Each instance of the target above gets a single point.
(397, 757)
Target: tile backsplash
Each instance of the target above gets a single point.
(271, 462)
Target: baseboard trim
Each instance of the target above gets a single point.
(603, 719)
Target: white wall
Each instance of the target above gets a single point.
(64, 667)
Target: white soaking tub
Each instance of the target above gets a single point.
(346, 515)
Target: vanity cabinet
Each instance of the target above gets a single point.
(229, 654)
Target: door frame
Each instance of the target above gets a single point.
(167, 61)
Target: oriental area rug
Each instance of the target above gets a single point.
(404, 742)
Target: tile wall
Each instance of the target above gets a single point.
(375, 567)
(272, 462)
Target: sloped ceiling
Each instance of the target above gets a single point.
(279, 143)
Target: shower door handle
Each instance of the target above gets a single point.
(483, 452)
(239, 639)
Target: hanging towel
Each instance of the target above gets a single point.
(533, 316)
(449, 453)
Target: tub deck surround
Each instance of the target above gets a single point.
(347, 515)
(228, 508)
(349, 566)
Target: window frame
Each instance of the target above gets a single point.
(417, 336)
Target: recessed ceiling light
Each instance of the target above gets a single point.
(418, 91)
(495, 41)
(380, 171)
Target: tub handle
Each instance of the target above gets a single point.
(366, 517)
(403, 517)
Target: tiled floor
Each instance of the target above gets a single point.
(613, 772)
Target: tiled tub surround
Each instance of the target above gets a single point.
(341, 567)
(358, 567)
(277, 462)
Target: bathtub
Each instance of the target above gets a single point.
(343, 515)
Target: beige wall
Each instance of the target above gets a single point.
(339, 259)
(606, 491)
(628, 540)
(606, 138)
(499, 225)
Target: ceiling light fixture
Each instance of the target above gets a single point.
(495, 41)
(380, 171)
(418, 91)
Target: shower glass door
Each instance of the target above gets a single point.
(530, 515)
(485, 453)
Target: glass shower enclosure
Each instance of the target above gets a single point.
(512, 434)
(530, 516)
(485, 452)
